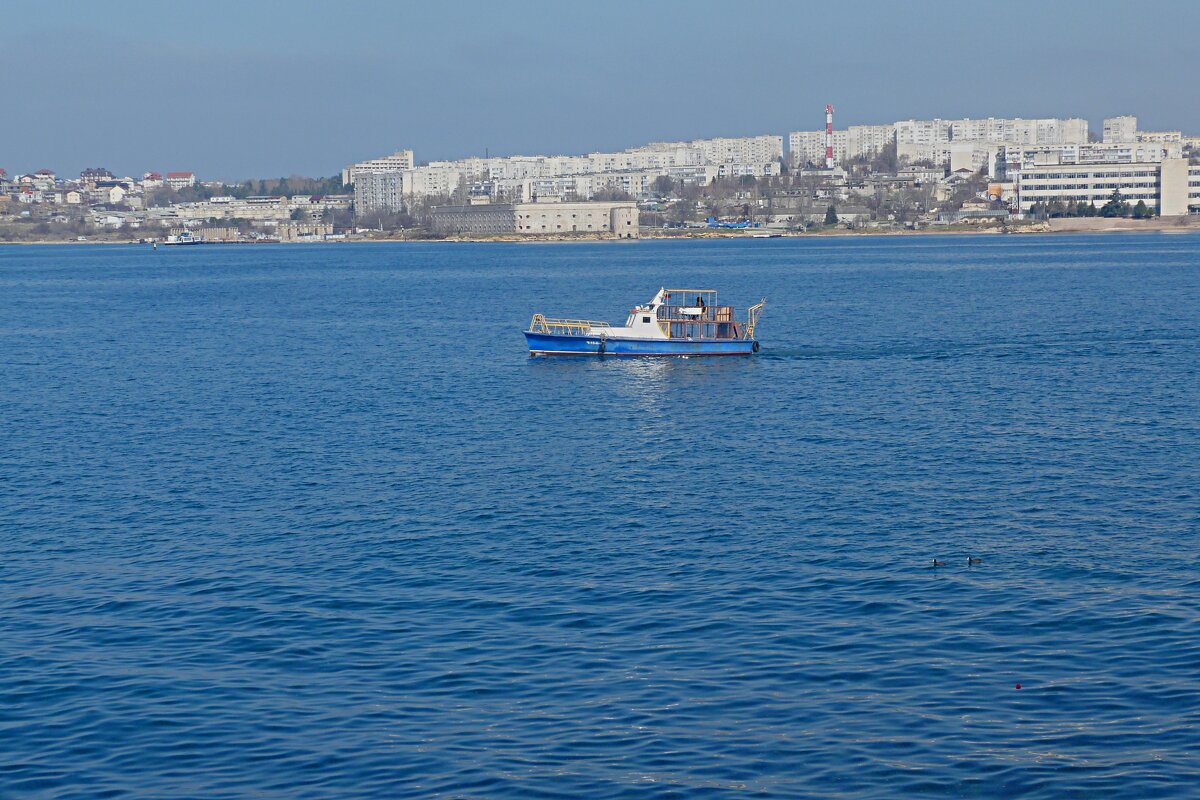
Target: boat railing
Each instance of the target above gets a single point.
(752, 316)
(695, 313)
(569, 327)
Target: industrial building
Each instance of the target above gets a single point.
(617, 220)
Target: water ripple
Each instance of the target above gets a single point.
(273, 526)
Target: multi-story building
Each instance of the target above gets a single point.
(43, 180)
(316, 205)
(180, 180)
(753, 169)
(396, 162)
(927, 140)
(867, 140)
(997, 130)
(301, 231)
(1120, 129)
(92, 174)
(435, 180)
(267, 209)
(955, 143)
(916, 132)
(1130, 152)
(378, 191)
(617, 220)
(631, 170)
(744, 150)
(108, 192)
(632, 182)
(808, 147)
(694, 174)
(1170, 186)
(1160, 137)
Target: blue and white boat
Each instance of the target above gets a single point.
(183, 237)
(677, 322)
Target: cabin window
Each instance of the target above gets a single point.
(645, 319)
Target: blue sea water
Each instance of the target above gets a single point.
(307, 522)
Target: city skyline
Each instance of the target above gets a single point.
(790, 152)
(293, 88)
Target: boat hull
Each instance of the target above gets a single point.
(551, 344)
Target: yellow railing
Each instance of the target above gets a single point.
(752, 315)
(576, 327)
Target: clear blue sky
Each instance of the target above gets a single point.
(264, 89)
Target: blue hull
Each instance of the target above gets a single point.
(547, 344)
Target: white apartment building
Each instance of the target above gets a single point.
(808, 147)
(378, 191)
(631, 170)
(180, 180)
(867, 140)
(1160, 137)
(1019, 131)
(632, 182)
(958, 143)
(397, 161)
(761, 169)
(1171, 186)
(514, 168)
(746, 150)
(927, 140)
(658, 156)
(554, 166)
(1129, 152)
(694, 174)
(1120, 129)
(435, 180)
(922, 132)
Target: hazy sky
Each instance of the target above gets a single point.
(264, 89)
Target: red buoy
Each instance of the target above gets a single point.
(1018, 686)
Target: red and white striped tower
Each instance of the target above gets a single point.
(829, 136)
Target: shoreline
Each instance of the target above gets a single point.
(1190, 224)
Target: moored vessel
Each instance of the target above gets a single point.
(677, 322)
(183, 237)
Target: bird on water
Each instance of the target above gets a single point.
(974, 560)
(937, 563)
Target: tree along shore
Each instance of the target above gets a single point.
(1050, 226)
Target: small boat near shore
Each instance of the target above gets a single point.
(676, 322)
(182, 238)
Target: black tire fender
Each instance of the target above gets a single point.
(755, 347)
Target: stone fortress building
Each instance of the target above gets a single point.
(610, 220)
